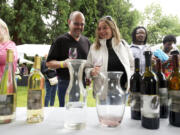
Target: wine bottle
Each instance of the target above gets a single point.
(8, 89)
(174, 93)
(135, 83)
(35, 99)
(163, 91)
(150, 103)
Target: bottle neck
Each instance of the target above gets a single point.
(136, 65)
(36, 70)
(37, 63)
(175, 63)
(158, 65)
(148, 63)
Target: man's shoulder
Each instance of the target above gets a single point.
(62, 37)
(85, 39)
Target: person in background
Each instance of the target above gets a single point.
(169, 44)
(60, 48)
(5, 44)
(109, 53)
(138, 46)
(32, 69)
(169, 47)
(17, 73)
(50, 88)
(24, 70)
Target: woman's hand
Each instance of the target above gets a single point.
(95, 71)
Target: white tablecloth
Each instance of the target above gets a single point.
(53, 125)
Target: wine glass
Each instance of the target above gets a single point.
(72, 53)
(98, 62)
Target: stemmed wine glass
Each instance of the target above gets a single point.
(98, 62)
(72, 53)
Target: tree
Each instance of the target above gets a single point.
(7, 14)
(58, 16)
(40, 21)
(28, 24)
(159, 25)
(121, 11)
(126, 18)
(88, 8)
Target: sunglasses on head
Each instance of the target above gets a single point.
(108, 18)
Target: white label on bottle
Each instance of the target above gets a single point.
(163, 93)
(135, 101)
(175, 100)
(6, 104)
(34, 99)
(150, 106)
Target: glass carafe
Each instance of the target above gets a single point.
(75, 99)
(110, 100)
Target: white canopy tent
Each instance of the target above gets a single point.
(31, 50)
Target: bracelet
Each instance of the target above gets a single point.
(61, 64)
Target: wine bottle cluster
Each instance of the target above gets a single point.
(149, 94)
(8, 90)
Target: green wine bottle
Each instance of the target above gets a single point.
(8, 89)
(163, 90)
(174, 93)
(135, 92)
(150, 102)
(35, 99)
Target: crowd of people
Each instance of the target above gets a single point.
(109, 52)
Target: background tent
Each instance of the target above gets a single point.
(33, 49)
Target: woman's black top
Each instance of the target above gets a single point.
(114, 63)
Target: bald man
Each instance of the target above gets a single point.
(59, 51)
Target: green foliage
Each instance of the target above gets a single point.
(88, 8)
(159, 25)
(126, 18)
(29, 26)
(43, 20)
(121, 11)
(22, 98)
(59, 16)
(7, 13)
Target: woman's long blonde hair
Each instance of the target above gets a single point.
(4, 31)
(115, 31)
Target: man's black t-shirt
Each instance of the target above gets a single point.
(60, 48)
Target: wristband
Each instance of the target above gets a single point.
(61, 64)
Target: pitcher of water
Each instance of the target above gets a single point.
(75, 99)
(110, 100)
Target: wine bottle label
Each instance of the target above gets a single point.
(6, 104)
(163, 93)
(175, 100)
(135, 101)
(34, 99)
(150, 106)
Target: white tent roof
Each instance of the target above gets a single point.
(22, 60)
(33, 49)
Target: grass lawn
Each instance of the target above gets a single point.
(22, 98)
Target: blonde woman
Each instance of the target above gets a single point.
(5, 44)
(109, 53)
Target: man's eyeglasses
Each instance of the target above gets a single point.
(78, 24)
